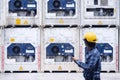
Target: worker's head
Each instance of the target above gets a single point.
(90, 39)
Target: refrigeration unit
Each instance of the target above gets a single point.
(21, 49)
(100, 12)
(24, 12)
(107, 45)
(61, 12)
(59, 45)
(28, 7)
(61, 7)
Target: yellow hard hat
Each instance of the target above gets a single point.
(90, 37)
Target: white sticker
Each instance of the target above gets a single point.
(30, 51)
(69, 51)
(49, 60)
(70, 5)
(11, 60)
(107, 51)
(30, 5)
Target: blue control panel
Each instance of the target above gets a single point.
(106, 51)
(23, 5)
(18, 50)
(60, 49)
(66, 6)
(59, 52)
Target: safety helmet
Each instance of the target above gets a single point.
(90, 37)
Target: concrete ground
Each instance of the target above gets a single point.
(54, 76)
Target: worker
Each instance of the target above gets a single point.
(92, 65)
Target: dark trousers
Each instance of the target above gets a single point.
(92, 79)
(96, 79)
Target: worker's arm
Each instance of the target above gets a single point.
(90, 65)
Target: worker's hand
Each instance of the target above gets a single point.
(75, 58)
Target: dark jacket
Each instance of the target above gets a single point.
(92, 65)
